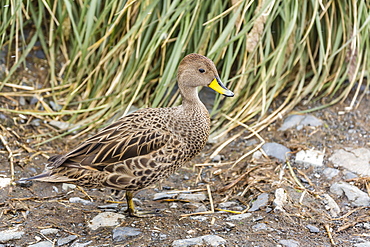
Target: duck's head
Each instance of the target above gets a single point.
(196, 70)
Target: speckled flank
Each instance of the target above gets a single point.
(145, 146)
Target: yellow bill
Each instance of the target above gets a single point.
(220, 88)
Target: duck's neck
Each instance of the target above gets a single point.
(191, 101)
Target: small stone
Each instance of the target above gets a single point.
(239, 216)
(82, 244)
(354, 160)
(349, 175)
(260, 227)
(36, 122)
(195, 206)
(11, 234)
(197, 197)
(313, 229)
(68, 187)
(174, 205)
(123, 233)
(42, 244)
(329, 172)
(22, 101)
(276, 150)
(225, 205)
(260, 202)
(289, 242)
(217, 158)
(280, 200)
(105, 219)
(165, 195)
(208, 240)
(5, 182)
(291, 121)
(357, 197)
(310, 120)
(229, 224)
(80, 200)
(199, 217)
(365, 244)
(49, 231)
(257, 155)
(310, 158)
(60, 125)
(66, 240)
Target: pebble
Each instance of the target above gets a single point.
(260, 227)
(299, 121)
(11, 234)
(331, 205)
(365, 244)
(280, 200)
(289, 242)
(80, 200)
(310, 158)
(60, 125)
(196, 206)
(217, 158)
(165, 195)
(209, 240)
(199, 217)
(330, 173)
(49, 231)
(313, 229)
(225, 205)
(66, 240)
(105, 219)
(349, 175)
(123, 233)
(260, 202)
(357, 197)
(239, 216)
(354, 160)
(5, 182)
(42, 244)
(82, 244)
(197, 197)
(276, 150)
(68, 187)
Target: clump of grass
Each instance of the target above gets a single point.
(106, 56)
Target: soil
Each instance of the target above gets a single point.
(36, 206)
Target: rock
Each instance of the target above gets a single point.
(11, 234)
(357, 197)
(313, 229)
(217, 158)
(260, 227)
(365, 244)
(229, 224)
(209, 240)
(280, 200)
(354, 160)
(257, 155)
(239, 216)
(105, 219)
(123, 233)
(260, 202)
(66, 240)
(195, 206)
(299, 121)
(199, 217)
(289, 242)
(225, 205)
(349, 175)
(331, 205)
(49, 231)
(68, 187)
(59, 124)
(276, 150)
(165, 195)
(42, 244)
(5, 182)
(80, 200)
(329, 172)
(82, 244)
(197, 197)
(310, 158)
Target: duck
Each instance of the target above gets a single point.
(145, 146)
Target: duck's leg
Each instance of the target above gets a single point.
(131, 208)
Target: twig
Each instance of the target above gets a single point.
(293, 175)
(210, 198)
(327, 228)
(233, 183)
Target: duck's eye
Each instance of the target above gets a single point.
(202, 70)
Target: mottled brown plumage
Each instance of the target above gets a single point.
(146, 145)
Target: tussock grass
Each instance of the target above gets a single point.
(103, 57)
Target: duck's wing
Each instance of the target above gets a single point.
(134, 135)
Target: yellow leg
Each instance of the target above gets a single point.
(131, 207)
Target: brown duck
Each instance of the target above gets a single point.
(146, 145)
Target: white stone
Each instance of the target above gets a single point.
(280, 199)
(331, 205)
(310, 157)
(4, 182)
(208, 240)
(49, 231)
(354, 160)
(357, 197)
(197, 197)
(239, 216)
(11, 234)
(105, 219)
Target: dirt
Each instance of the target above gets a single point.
(43, 205)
